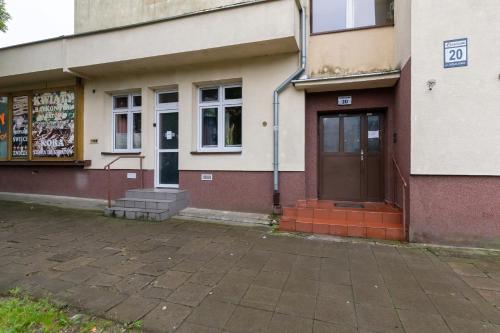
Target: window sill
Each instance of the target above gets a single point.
(85, 163)
(216, 152)
(110, 153)
(352, 29)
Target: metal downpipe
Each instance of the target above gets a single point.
(276, 103)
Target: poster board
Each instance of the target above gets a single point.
(53, 124)
(20, 127)
(4, 127)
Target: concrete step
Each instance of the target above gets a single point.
(132, 213)
(144, 203)
(149, 204)
(362, 220)
(157, 194)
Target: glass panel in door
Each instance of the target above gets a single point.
(169, 168)
(352, 134)
(169, 124)
(168, 152)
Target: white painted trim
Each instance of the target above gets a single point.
(130, 110)
(159, 109)
(220, 105)
(349, 20)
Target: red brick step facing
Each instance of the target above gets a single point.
(375, 221)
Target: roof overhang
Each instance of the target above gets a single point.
(250, 29)
(349, 82)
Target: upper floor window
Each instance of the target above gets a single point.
(335, 15)
(220, 112)
(127, 122)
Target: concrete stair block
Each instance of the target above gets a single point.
(149, 204)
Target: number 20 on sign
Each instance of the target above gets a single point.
(456, 53)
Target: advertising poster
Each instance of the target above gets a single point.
(3, 127)
(53, 124)
(20, 127)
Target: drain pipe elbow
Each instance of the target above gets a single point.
(276, 103)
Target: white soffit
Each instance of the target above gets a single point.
(349, 82)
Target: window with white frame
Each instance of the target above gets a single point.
(334, 15)
(220, 118)
(127, 122)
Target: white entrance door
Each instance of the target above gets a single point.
(167, 139)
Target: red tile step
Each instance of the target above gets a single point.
(373, 221)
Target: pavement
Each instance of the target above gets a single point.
(202, 277)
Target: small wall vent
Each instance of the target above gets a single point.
(206, 177)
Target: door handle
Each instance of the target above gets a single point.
(362, 155)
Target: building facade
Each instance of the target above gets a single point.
(252, 104)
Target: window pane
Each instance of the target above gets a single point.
(329, 15)
(232, 93)
(373, 12)
(121, 131)
(168, 97)
(210, 95)
(364, 13)
(331, 135)
(169, 128)
(120, 102)
(373, 134)
(233, 126)
(384, 12)
(352, 130)
(136, 140)
(209, 127)
(137, 100)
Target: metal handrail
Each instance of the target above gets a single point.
(108, 167)
(404, 187)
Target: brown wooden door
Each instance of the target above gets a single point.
(351, 157)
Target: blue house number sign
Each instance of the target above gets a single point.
(455, 53)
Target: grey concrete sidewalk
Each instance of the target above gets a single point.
(200, 277)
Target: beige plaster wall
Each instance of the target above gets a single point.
(245, 25)
(455, 127)
(93, 15)
(367, 50)
(402, 32)
(259, 76)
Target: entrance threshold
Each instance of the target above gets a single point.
(367, 220)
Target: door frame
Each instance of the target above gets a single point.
(159, 109)
(383, 149)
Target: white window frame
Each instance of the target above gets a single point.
(349, 15)
(129, 111)
(221, 105)
(159, 109)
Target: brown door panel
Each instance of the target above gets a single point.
(373, 172)
(341, 178)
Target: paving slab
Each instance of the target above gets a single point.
(289, 324)
(132, 309)
(416, 322)
(247, 320)
(166, 317)
(171, 279)
(189, 294)
(261, 298)
(212, 313)
(335, 311)
(296, 304)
